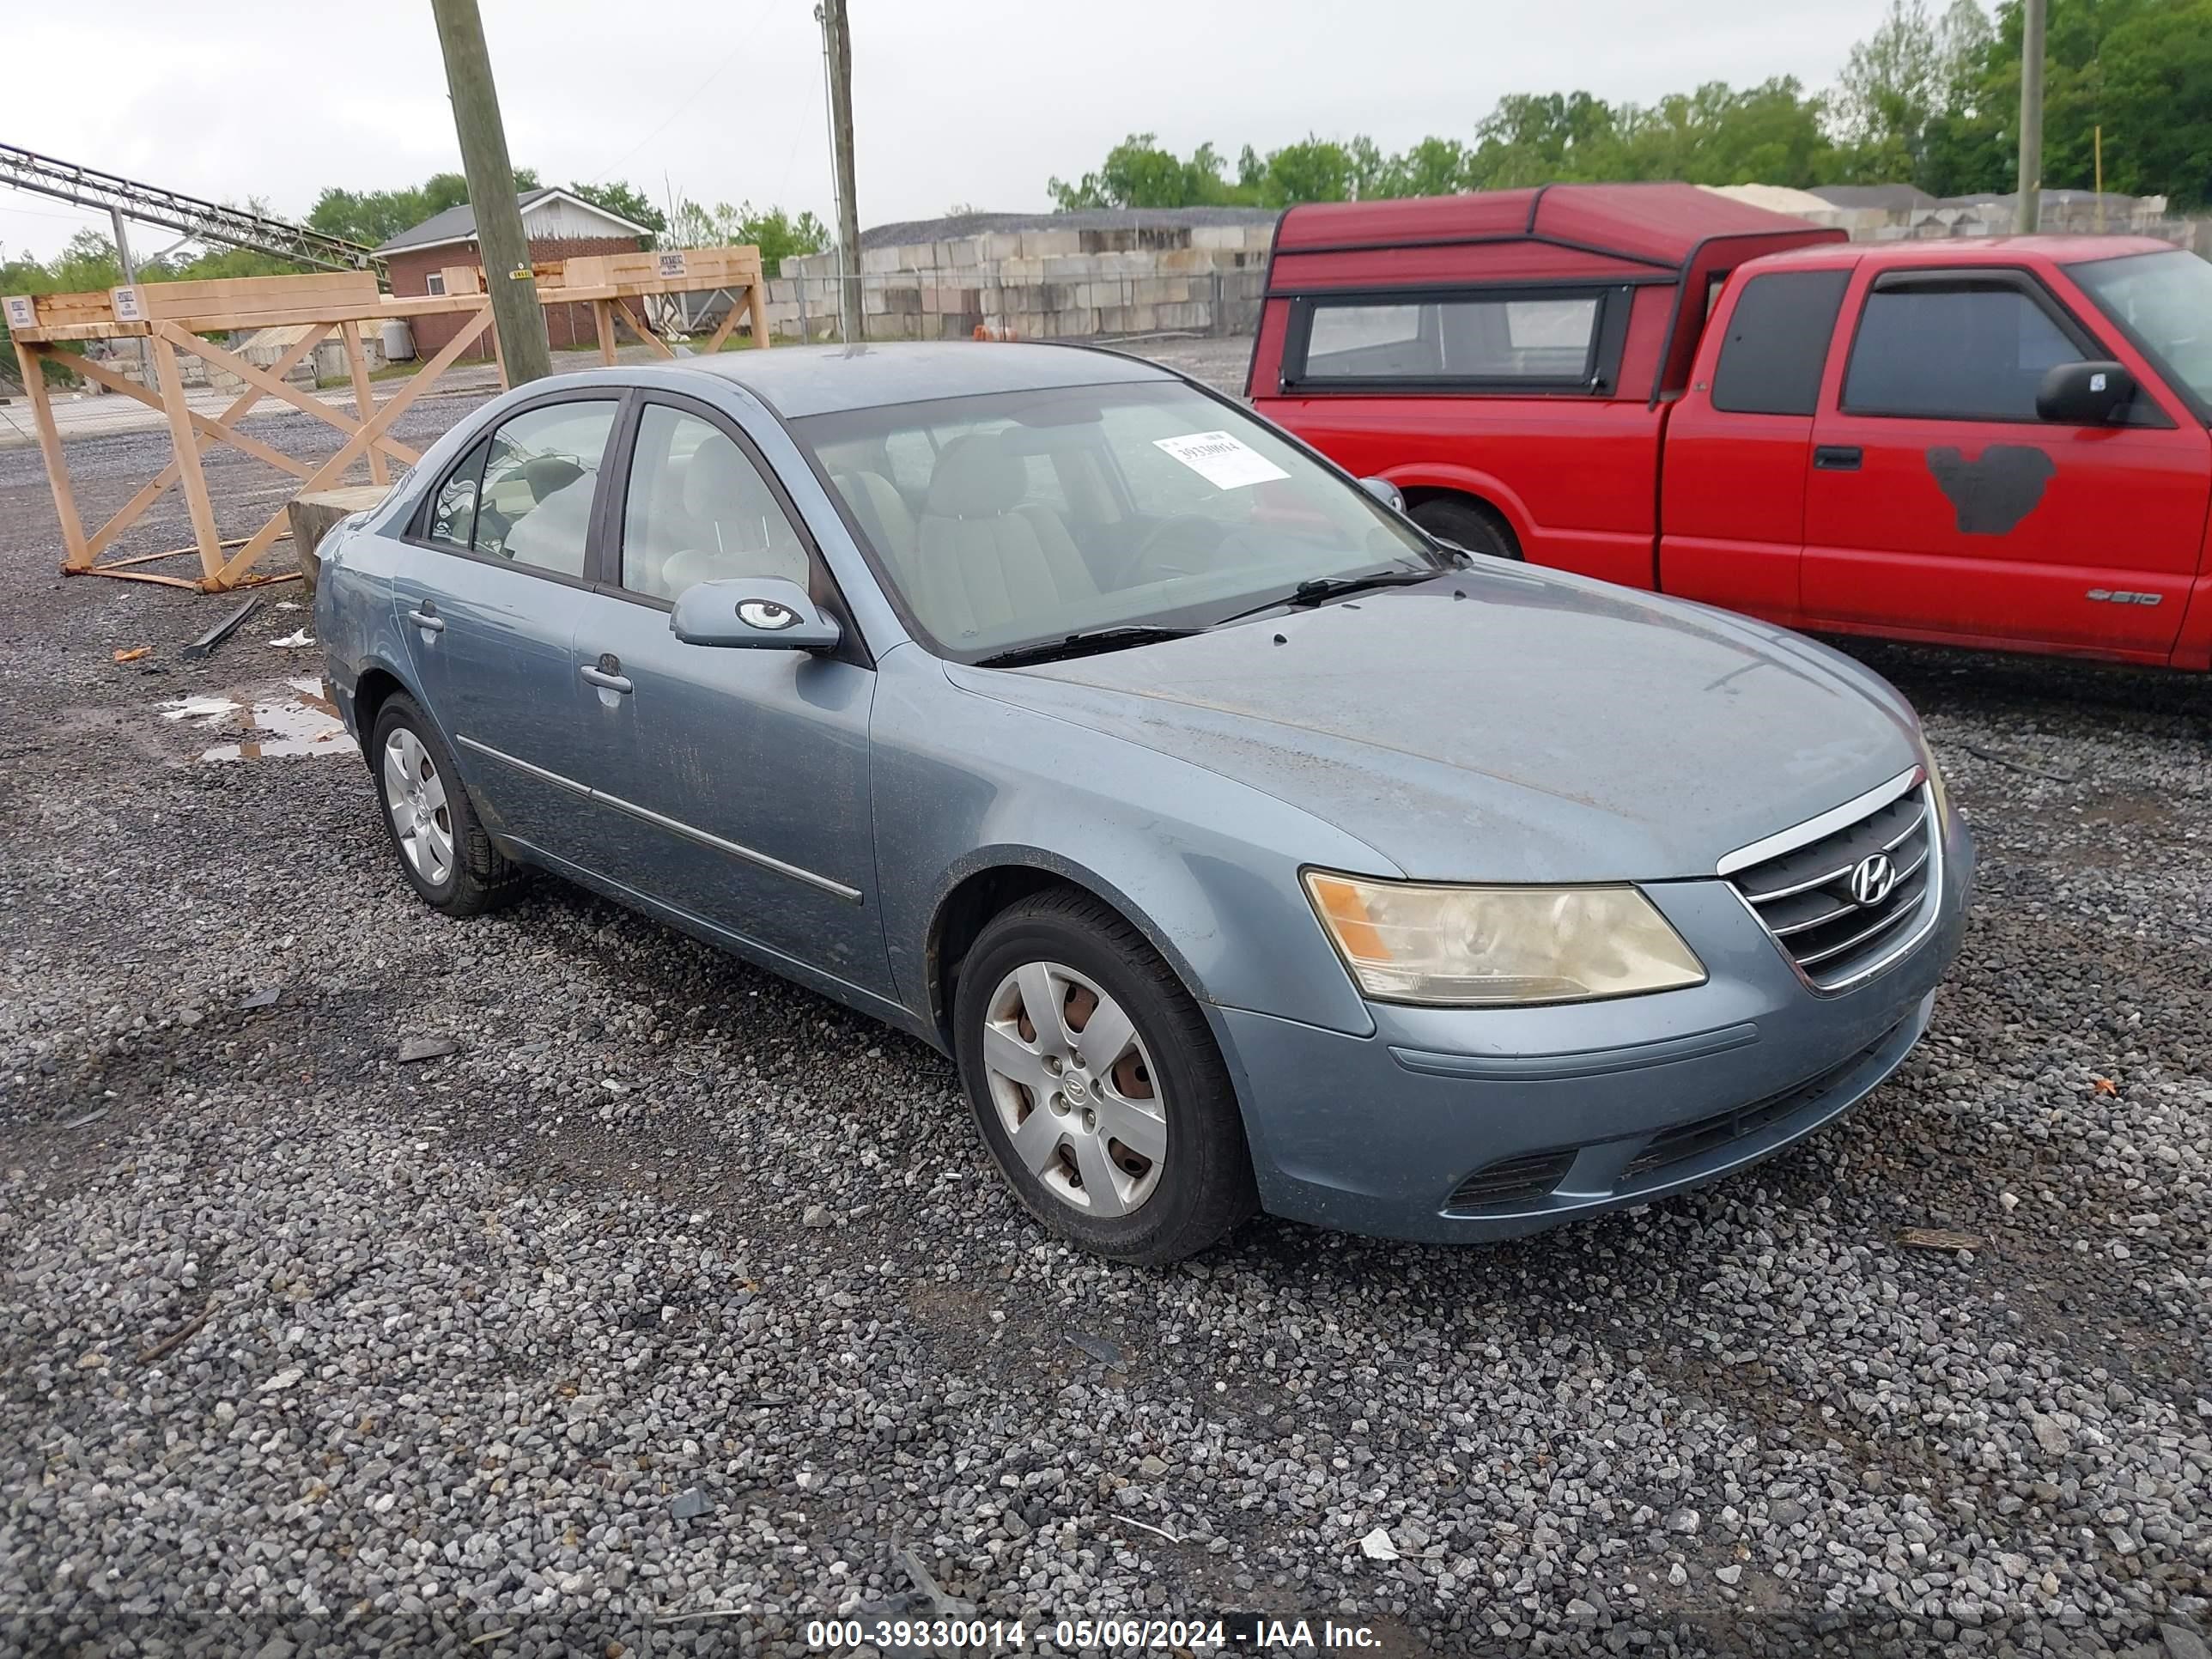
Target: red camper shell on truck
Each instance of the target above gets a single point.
(1997, 442)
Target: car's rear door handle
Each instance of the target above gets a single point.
(428, 621)
(1837, 458)
(605, 681)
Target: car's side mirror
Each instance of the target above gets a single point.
(758, 613)
(1385, 492)
(2085, 394)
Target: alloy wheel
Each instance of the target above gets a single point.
(415, 795)
(1075, 1089)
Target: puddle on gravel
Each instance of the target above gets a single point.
(303, 723)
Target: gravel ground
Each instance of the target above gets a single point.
(673, 1303)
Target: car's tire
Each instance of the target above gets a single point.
(436, 835)
(1183, 1178)
(1470, 525)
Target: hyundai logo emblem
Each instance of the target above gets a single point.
(1873, 877)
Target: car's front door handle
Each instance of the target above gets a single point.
(428, 621)
(1837, 458)
(605, 681)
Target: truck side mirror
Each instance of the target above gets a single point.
(2085, 394)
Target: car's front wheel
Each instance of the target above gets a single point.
(443, 850)
(1095, 1083)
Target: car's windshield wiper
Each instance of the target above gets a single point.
(1329, 587)
(1084, 644)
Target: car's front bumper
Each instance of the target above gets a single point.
(1556, 1112)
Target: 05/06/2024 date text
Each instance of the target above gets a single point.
(1248, 1634)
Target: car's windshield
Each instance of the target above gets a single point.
(2164, 300)
(1010, 519)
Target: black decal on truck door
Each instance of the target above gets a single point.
(1991, 494)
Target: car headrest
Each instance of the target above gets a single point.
(976, 478)
(718, 481)
(549, 475)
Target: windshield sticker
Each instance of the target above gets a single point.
(1222, 459)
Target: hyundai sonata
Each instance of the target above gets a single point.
(1246, 848)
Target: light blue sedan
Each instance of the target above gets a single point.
(1246, 847)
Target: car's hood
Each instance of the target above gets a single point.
(1504, 725)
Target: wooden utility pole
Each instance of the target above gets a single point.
(837, 41)
(2029, 183)
(501, 244)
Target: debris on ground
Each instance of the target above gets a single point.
(205, 646)
(86, 1119)
(426, 1047)
(1940, 1238)
(134, 654)
(302, 637)
(688, 1505)
(1377, 1546)
(1097, 1346)
(264, 998)
(943, 1606)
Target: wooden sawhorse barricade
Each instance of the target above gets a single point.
(171, 317)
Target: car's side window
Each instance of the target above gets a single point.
(540, 469)
(453, 514)
(1964, 352)
(1777, 345)
(698, 510)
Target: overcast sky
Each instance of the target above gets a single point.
(974, 101)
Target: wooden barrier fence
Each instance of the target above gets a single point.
(173, 318)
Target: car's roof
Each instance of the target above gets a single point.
(1970, 251)
(800, 381)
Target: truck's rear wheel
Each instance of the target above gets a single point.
(1470, 525)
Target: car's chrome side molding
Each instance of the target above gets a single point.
(674, 826)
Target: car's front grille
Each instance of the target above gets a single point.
(1840, 901)
(1512, 1181)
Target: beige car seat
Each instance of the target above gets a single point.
(982, 559)
(733, 525)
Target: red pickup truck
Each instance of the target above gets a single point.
(1999, 443)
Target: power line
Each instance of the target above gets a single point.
(712, 75)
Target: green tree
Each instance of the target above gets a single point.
(1138, 173)
(1772, 133)
(1434, 166)
(1535, 138)
(2152, 92)
(1315, 170)
(377, 215)
(775, 232)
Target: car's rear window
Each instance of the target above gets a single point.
(1473, 340)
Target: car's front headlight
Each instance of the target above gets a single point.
(1483, 946)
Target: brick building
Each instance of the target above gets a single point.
(560, 225)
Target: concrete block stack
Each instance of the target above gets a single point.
(1045, 276)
